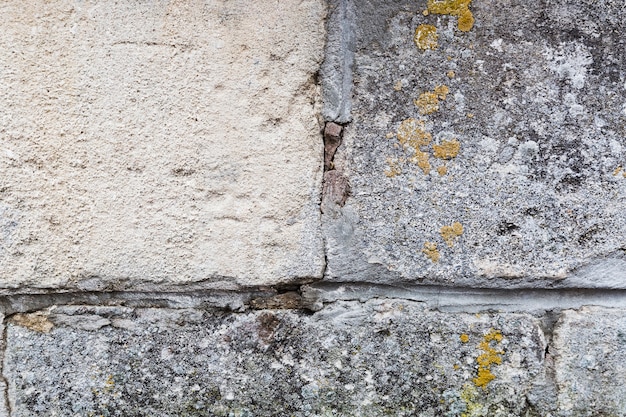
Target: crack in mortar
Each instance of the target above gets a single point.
(314, 297)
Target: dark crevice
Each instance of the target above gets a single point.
(548, 323)
(335, 186)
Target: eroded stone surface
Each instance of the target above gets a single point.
(512, 125)
(384, 357)
(589, 351)
(159, 143)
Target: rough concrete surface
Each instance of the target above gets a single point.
(146, 143)
(486, 147)
(383, 357)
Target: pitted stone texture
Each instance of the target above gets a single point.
(159, 142)
(351, 359)
(536, 100)
(589, 350)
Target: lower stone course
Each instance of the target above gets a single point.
(376, 358)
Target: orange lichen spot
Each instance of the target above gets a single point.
(450, 233)
(451, 74)
(425, 12)
(459, 8)
(490, 356)
(617, 171)
(394, 168)
(442, 170)
(464, 338)
(447, 150)
(425, 37)
(397, 86)
(430, 250)
(428, 102)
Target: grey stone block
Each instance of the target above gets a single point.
(382, 357)
(484, 153)
(589, 351)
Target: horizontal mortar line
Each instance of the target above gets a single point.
(218, 299)
(469, 299)
(315, 296)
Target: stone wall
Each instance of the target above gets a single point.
(310, 208)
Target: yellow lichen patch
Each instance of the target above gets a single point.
(421, 160)
(411, 132)
(430, 250)
(456, 366)
(450, 233)
(617, 171)
(447, 150)
(458, 8)
(470, 397)
(442, 91)
(34, 321)
(442, 170)
(412, 135)
(428, 102)
(109, 384)
(394, 168)
(451, 74)
(426, 37)
(464, 338)
(397, 86)
(490, 356)
(466, 21)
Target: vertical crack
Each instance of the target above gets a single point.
(335, 187)
(7, 404)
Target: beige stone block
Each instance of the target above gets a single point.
(162, 142)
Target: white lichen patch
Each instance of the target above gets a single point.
(570, 61)
(497, 44)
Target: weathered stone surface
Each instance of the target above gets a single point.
(4, 409)
(486, 155)
(336, 70)
(589, 350)
(162, 142)
(385, 357)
